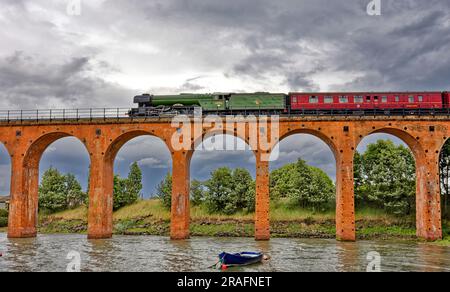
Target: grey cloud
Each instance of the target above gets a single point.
(275, 45)
(27, 81)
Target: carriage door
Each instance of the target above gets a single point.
(368, 102)
(376, 102)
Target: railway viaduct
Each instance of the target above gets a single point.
(27, 140)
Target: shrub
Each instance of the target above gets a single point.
(3, 222)
(3, 213)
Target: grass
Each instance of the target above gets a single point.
(141, 209)
(148, 217)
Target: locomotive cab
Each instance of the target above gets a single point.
(143, 100)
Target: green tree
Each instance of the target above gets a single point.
(302, 186)
(58, 192)
(358, 178)
(75, 195)
(120, 192)
(444, 170)
(197, 193)
(127, 191)
(134, 183)
(387, 178)
(164, 191)
(230, 191)
(220, 189)
(243, 195)
(52, 191)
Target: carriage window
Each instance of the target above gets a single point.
(294, 100)
(375, 98)
(359, 99)
(367, 98)
(313, 99)
(343, 99)
(411, 99)
(384, 99)
(397, 98)
(420, 98)
(328, 99)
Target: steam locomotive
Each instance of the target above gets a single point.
(379, 103)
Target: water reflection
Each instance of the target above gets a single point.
(150, 253)
(180, 257)
(19, 251)
(103, 253)
(433, 258)
(348, 257)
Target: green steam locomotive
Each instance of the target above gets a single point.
(233, 103)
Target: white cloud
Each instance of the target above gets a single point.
(152, 162)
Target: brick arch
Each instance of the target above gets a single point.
(37, 148)
(428, 218)
(181, 184)
(209, 134)
(6, 146)
(413, 144)
(440, 147)
(116, 144)
(343, 151)
(102, 181)
(316, 133)
(26, 185)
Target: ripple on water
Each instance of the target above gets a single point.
(153, 253)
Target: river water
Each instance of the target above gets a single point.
(153, 253)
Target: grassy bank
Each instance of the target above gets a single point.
(149, 218)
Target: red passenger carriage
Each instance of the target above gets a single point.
(354, 101)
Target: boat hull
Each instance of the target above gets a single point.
(241, 259)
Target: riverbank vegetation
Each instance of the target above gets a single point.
(302, 200)
(3, 218)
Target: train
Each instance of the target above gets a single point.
(294, 103)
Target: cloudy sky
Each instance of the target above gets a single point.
(114, 49)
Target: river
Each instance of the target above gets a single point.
(153, 253)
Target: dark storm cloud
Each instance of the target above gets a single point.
(404, 48)
(50, 60)
(27, 81)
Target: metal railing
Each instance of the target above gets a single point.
(63, 114)
(124, 113)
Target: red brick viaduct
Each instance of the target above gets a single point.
(103, 138)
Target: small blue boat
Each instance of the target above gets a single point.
(240, 259)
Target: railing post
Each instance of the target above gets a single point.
(50, 115)
(8, 117)
(90, 114)
(64, 115)
(77, 115)
(21, 116)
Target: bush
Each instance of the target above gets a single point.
(127, 190)
(164, 191)
(59, 192)
(3, 222)
(230, 191)
(3, 213)
(303, 186)
(385, 178)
